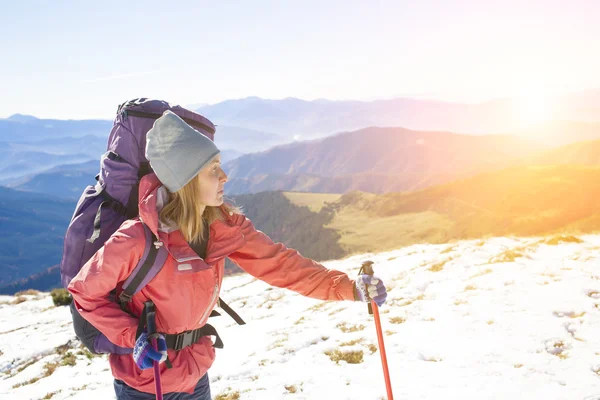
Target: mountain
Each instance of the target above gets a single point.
(520, 200)
(28, 129)
(376, 160)
(302, 119)
(46, 280)
(32, 228)
(582, 153)
(560, 133)
(64, 181)
(243, 140)
(514, 318)
(68, 181)
(90, 145)
(15, 165)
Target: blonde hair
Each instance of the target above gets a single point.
(182, 209)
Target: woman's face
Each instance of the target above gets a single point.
(212, 181)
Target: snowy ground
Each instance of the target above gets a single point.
(463, 321)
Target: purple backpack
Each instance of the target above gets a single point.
(103, 207)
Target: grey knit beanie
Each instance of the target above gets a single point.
(176, 151)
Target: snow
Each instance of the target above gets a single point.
(463, 320)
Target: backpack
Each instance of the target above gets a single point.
(102, 209)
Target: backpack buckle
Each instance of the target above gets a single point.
(124, 297)
(183, 340)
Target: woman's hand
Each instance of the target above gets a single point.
(369, 287)
(144, 354)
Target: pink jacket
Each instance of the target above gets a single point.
(184, 299)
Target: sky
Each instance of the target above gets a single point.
(76, 60)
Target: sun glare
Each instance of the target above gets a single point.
(534, 108)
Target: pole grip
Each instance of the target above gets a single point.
(367, 269)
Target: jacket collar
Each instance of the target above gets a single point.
(225, 237)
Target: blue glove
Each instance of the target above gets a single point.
(144, 354)
(369, 288)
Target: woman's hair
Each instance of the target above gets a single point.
(182, 209)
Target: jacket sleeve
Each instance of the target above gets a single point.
(91, 287)
(279, 266)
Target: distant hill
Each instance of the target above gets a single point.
(244, 140)
(582, 153)
(64, 181)
(375, 160)
(69, 181)
(32, 228)
(560, 133)
(28, 129)
(522, 200)
(294, 117)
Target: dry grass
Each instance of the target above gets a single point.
(447, 250)
(507, 256)
(402, 302)
(351, 357)
(69, 359)
(337, 311)
(570, 314)
(372, 348)
(278, 343)
(354, 328)
(470, 287)
(27, 364)
(29, 382)
(593, 294)
(291, 388)
(397, 320)
(49, 368)
(559, 349)
(364, 233)
(314, 201)
(558, 239)
(352, 342)
(437, 267)
(49, 395)
(228, 396)
(318, 306)
(28, 292)
(19, 300)
(484, 272)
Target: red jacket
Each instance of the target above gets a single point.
(184, 299)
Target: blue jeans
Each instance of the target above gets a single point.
(201, 392)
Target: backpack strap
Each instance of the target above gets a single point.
(188, 338)
(229, 311)
(150, 264)
(109, 202)
(140, 114)
(132, 203)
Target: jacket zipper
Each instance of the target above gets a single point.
(210, 306)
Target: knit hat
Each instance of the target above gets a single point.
(176, 151)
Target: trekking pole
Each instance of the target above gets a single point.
(367, 268)
(151, 321)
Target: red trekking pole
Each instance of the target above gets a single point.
(150, 320)
(367, 268)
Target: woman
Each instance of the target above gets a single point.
(182, 204)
